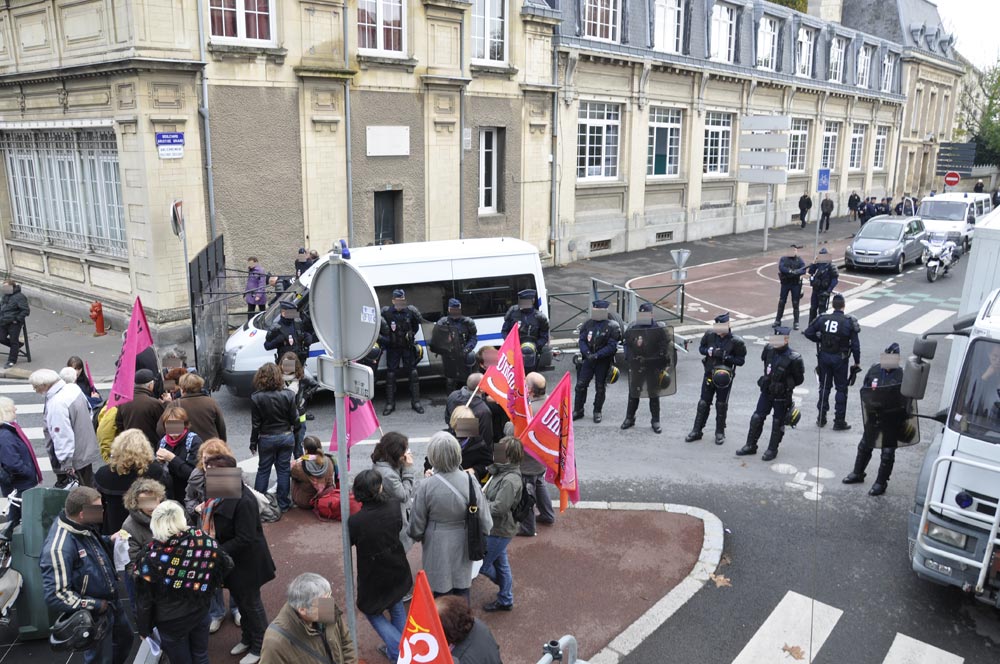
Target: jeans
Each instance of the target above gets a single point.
(116, 645)
(188, 645)
(10, 335)
(391, 630)
(299, 437)
(217, 610)
(253, 620)
(251, 307)
(276, 450)
(496, 568)
(543, 503)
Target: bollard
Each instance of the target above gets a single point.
(563, 650)
(97, 315)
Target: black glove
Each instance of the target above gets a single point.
(253, 448)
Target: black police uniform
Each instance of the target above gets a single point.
(790, 271)
(400, 353)
(646, 362)
(784, 370)
(533, 327)
(457, 357)
(895, 410)
(837, 336)
(375, 354)
(720, 352)
(290, 334)
(823, 277)
(598, 344)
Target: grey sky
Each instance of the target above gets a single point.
(974, 24)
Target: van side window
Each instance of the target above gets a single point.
(979, 208)
(429, 297)
(491, 296)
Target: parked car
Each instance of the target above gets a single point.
(887, 242)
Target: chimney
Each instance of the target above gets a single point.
(828, 10)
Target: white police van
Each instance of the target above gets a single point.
(955, 214)
(485, 274)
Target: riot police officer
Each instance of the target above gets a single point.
(722, 352)
(598, 343)
(375, 353)
(887, 418)
(533, 328)
(784, 370)
(790, 271)
(454, 338)
(651, 358)
(823, 278)
(400, 350)
(837, 336)
(289, 333)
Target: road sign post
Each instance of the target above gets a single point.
(762, 158)
(951, 179)
(822, 185)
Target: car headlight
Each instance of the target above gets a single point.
(888, 252)
(850, 250)
(946, 536)
(954, 237)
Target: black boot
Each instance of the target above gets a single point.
(841, 425)
(390, 394)
(884, 471)
(599, 394)
(655, 424)
(777, 433)
(821, 420)
(721, 410)
(630, 409)
(654, 411)
(579, 399)
(753, 435)
(415, 392)
(700, 418)
(628, 422)
(857, 475)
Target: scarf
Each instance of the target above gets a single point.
(172, 442)
(208, 515)
(188, 561)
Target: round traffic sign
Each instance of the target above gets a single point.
(343, 307)
(951, 178)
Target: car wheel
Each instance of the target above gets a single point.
(901, 263)
(922, 258)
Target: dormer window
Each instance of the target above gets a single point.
(888, 69)
(804, 47)
(723, 37)
(767, 44)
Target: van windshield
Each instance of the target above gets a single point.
(943, 210)
(295, 293)
(976, 411)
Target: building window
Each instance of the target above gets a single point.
(601, 19)
(804, 52)
(489, 30)
(664, 154)
(943, 120)
(718, 139)
(245, 20)
(597, 140)
(881, 141)
(857, 146)
(837, 50)
(669, 26)
(65, 189)
(723, 37)
(381, 26)
(798, 139)
(490, 167)
(888, 69)
(831, 136)
(864, 66)
(767, 44)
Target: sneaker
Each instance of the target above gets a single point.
(240, 648)
(8, 365)
(497, 606)
(215, 625)
(238, 619)
(250, 658)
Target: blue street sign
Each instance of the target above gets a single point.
(170, 138)
(823, 181)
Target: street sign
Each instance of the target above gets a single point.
(823, 181)
(170, 145)
(359, 380)
(765, 123)
(762, 176)
(177, 218)
(762, 157)
(680, 257)
(344, 309)
(763, 141)
(958, 157)
(951, 178)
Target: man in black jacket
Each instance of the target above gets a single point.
(805, 204)
(826, 209)
(853, 203)
(14, 309)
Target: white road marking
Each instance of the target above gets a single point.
(906, 650)
(884, 315)
(801, 391)
(796, 621)
(854, 304)
(784, 468)
(927, 321)
(30, 408)
(33, 433)
(25, 388)
(821, 473)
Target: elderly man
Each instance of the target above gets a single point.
(144, 410)
(69, 432)
(310, 627)
(478, 405)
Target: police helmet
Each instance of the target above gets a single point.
(722, 378)
(577, 360)
(78, 631)
(529, 352)
(470, 359)
(665, 379)
(613, 375)
(794, 417)
(418, 350)
(374, 353)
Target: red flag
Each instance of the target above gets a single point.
(549, 438)
(361, 423)
(504, 381)
(137, 339)
(423, 638)
(90, 377)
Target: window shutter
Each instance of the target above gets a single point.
(651, 16)
(817, 35)
(709, 4)
(625, 20)
(687, 27)
(831, 38)
(758, 16)
(738, 41)
(581, 7)
(782, 26)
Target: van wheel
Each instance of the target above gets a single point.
(966, 245)
(901, 264)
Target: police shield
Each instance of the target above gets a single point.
(445, 341)
(890, 419)
(652, 362)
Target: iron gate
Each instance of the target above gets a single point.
(209, 310)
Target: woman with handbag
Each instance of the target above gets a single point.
(449, 514)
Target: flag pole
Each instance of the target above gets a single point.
(474, 393)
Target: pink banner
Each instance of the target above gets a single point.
(137, 339)
(31, 450)
(361, 423)
(90, 377)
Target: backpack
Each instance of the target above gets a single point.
(326, 504)
(525, 504)
(267, 505)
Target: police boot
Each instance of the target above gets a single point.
(777, 433)
(857, 475)
(884, 470)
(415, 392)
(654, 411)
(721, 409)
(841, 425)
(700, 417)
(753, 435)
(629, 421)
(599, 395)
(580, 400)
(390, 394)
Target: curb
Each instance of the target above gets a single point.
(658, 614)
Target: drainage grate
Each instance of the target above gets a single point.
(600, 245)
(664, 236)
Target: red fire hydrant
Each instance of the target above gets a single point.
(97, 315)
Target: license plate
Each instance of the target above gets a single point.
(861, 259)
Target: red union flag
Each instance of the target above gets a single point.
(549, 438)
(361, 423)
(504, 381)
(137, 339)
(423, 639)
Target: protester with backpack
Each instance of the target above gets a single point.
(393, 460)
(503, 491)
(178, 449)
(311, 474)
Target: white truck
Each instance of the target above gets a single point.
(954, 523)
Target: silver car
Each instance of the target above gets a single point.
(887, 242)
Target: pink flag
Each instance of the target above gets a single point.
(90, 377)
(361, 423)
(137, 339)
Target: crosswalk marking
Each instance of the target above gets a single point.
(884, 315)
(856, 303)
(30, 408)
(25, 388)
(905, 650)
(796, 621)
(927, 321)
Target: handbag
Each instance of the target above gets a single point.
(474, 534)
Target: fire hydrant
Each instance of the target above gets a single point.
(97, 315)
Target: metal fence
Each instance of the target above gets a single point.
(568, 310)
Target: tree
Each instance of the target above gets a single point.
(979, 111)
(797, 5)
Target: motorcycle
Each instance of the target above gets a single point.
(942, 253)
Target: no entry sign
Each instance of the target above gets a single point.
(951, 178)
